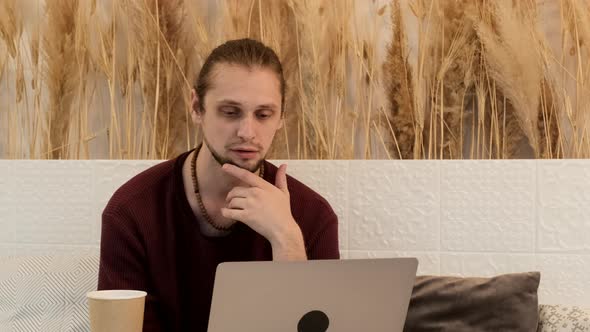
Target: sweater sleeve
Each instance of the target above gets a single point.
(324, 245)
(123, 264)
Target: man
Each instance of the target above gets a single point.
(166, 230)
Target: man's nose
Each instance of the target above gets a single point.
(246, 129)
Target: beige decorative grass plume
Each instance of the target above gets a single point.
(78, 147)
(178, 66)
(398, 85)
(366, 97)
(453, 61)
(286, 140)
(309, 37)
(513, 61)
(475, 79)
(59, 72)
(423, 79)
(3, 60)
(508, 139)
(321, 82)
(575, 101)
(10, 33)
(10, 25)
(164, 48)
(548, 122)
(36, 117)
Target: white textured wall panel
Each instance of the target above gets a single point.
(428, 262)
(488, 206)
(467, 218)
(485, 264)
(394, 205)
(330, 181)
(565, 279)
(564, 206)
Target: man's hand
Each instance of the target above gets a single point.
(267, 210)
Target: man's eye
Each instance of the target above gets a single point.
(229, 111)
(264, 115)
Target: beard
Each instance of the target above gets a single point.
(221, 160)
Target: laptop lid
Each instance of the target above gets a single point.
(313, 296)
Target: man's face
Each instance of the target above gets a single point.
(242, 114)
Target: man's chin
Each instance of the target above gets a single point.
(251, 166)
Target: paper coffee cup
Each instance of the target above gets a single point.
(116, 310)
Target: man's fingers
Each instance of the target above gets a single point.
(239, 203)
(281, 178)
(237, 192)
(234, 214)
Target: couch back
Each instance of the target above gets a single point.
(466, 218)
(46, 292)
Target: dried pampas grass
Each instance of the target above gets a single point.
(177, 60)
(549, 124)
(11, 60)
(453, 60)
(10, 26)
(164, 48)
(59, 71)
(423, 73)
(285, 27)
(398, 84)
(513, 61)
(575, 100)
(311, 140)
(322, 55)
(3, 61)
(509, 140)
(471, 79)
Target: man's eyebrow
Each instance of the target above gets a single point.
(229, 102)
(232, 102)
(271, 106)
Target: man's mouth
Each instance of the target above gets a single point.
(245, 152)
(245, 149)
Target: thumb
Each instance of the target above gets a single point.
(281, 178)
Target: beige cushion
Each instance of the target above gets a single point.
(558, 318)
(502, 303)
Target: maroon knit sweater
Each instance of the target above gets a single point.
(151, 241)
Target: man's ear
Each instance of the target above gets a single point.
(195, 111)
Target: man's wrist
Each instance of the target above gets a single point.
(289, 245)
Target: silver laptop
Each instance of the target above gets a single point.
(313, 296)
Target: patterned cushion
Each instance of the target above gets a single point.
(46, 293)
(556, 318)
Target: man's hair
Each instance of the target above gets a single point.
(245, 52)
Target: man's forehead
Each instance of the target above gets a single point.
(224, 69)
(241, 84)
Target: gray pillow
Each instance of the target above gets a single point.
(502, 303)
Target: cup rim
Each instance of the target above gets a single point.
(116, 294)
